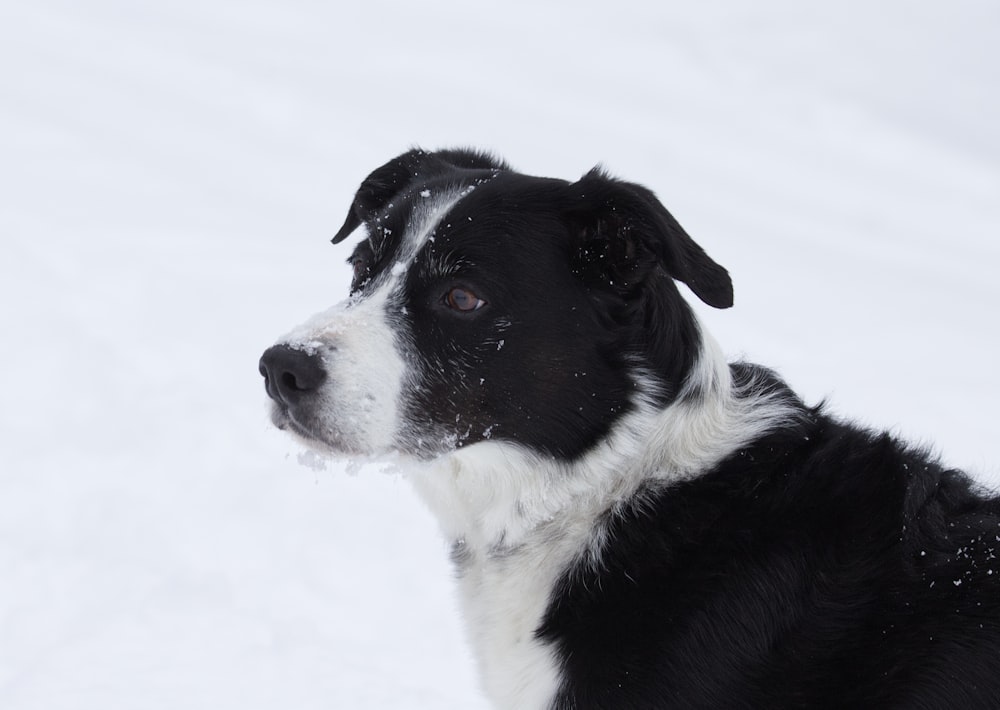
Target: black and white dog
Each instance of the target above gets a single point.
(635, 523)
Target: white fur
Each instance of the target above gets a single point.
(521, 520)
(359, 404)
(424, 219)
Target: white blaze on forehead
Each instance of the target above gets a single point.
(428, 211)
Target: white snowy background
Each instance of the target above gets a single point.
(171, 173)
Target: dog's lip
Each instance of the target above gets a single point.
(280, 416)
(283, 418)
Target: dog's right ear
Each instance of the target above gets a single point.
(625, 235)
(389, 180)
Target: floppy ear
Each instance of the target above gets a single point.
(378, 188)
(389, 180)
(625, 234)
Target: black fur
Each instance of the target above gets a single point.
(822, 567)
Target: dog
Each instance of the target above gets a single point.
(634, 521)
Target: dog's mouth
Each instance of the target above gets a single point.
(283, 418)
(326, 442)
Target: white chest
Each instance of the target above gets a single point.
(504, 598)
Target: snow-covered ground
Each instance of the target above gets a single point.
(171, 172)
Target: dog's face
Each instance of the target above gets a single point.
(490, 305)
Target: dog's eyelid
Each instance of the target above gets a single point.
(463, 300)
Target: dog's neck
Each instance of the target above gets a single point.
(518, 521)
(495, 496)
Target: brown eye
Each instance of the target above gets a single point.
(462, 299)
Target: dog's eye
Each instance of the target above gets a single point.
(462, 299)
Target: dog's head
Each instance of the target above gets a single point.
(487, 304)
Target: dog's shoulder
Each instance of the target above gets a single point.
(818, 545)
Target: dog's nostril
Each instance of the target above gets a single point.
(289, 381)
(290, 373)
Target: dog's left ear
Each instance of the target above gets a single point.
(389, 180)
(378, 188)
(624, 234)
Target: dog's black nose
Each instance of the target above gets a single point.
(290, 373)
